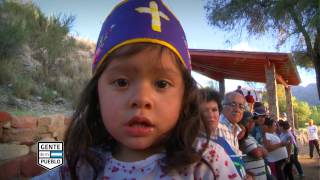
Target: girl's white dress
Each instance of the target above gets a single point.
(150, 168)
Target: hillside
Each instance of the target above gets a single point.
(308, 94)
(47, 97)
(42, 67)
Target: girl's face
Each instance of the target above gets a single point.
(140, 99)
(211, 113)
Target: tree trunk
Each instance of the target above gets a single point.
(316, 62)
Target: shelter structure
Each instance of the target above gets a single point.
(265, 67)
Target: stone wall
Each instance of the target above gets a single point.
(18, 142)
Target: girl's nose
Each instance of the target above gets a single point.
(141, 97)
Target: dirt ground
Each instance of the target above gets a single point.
(311, 167)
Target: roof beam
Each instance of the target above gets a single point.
(282, 81)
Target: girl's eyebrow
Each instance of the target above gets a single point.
(133, 69)
(121, 68)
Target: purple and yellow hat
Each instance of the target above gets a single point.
(148, 21)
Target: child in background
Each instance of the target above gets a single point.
(139, 117)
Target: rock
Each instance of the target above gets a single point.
(59, 100)
(24, 122)
(67, 121)
(44, 135)
(10, 151)
(57, 123)
(21, 135)
(39, 98)
(7, 125)
(44, 121)
(42, 129)
(5, 117)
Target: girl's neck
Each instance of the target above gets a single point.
(130, 155)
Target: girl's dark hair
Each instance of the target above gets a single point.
(284, 124)
(208, 94)
(87, 129)
(269, 121)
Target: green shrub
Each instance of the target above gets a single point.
(8, 71)
(23, 86)
(48, 94)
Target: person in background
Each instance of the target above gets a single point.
(257, 104)
(228, 129)
(285, 136)
(259, 115)
(211, 107)
(239, 90)
(250, 100)
(255, 152)
(313, 138)
(232, 112)
(277, 152)
(294, 159)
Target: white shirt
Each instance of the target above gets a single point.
(279, 153)
(312, 132)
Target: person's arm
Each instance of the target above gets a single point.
(258, 152)
(289, 146)
(242, 132)
(270, 147)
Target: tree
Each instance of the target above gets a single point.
(297, 20)
(315, 114)
(14, 30)
(302, 110)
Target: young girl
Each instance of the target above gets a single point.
(139, 117)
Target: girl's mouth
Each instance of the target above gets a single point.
(139, 126)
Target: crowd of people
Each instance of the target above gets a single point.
(268, 147)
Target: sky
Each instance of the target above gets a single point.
(191, 13)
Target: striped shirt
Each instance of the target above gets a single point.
(252, 164)
(225, 130)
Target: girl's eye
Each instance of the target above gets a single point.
(162, 84)
(121, 82)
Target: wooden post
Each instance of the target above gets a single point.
(271, 86)
(222, 87)
(290, 115)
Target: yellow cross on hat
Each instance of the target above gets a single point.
(155, 14)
